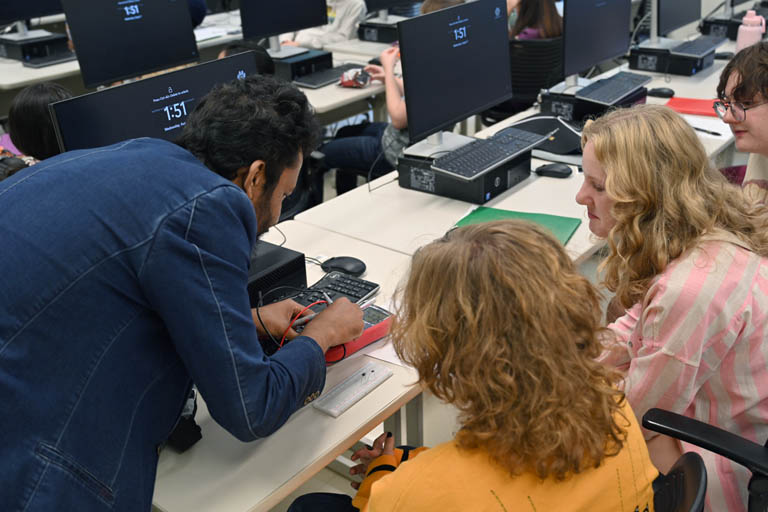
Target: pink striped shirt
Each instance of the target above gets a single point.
(696, 345)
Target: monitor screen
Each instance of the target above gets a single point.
(153, 107)
(594, 31)
(117, 39)
(378, 5)
(264, 19)
(17, 10)
(673, 14)
(455, 64)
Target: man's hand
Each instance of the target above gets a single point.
(277, 317)
(339, 323)
(383, 445)
(289, 43)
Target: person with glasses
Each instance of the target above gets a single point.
(743, 104)
(688, 262)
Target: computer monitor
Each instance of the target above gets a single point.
(117, 39)
(673, 14)
(153, 107)
(264, 19)
(20, 10)
(594, 31)
(455, 64)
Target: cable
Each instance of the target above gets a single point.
(290, 326)
(637, 28)
(313, 260)
(263, 326)
(285, 238)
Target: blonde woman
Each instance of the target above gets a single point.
(499, 323)
(687, 262)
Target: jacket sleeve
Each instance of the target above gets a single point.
(381, 467)
(195, 279)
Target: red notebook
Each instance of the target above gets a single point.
(692, 106)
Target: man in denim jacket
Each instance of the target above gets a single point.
(123, 279)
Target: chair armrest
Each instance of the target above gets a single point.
(750, 455)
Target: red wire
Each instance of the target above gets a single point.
(282, 340)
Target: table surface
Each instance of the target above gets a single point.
(223, 474)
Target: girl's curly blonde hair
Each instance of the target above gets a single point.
(499, 323)
(666, 196)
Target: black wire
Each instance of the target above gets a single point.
(370, 170)
(258, 315)
(285, 238)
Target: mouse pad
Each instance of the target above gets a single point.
(562, 227)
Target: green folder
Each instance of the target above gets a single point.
(562, 227)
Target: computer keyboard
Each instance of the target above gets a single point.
(325, 77)
(337, 284)
(482, 155)
(612, 89)
(49, 60)
(698, 47)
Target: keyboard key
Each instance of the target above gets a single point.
(612, 89)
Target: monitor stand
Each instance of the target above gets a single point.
(438, 144)
(384, 18)
(278, 51)
(24, 34)
(571, 85)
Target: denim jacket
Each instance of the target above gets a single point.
(123, 277)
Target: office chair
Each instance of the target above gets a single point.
(536, 64)
(684, 486)
(750, 455)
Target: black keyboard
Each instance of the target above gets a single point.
(49, 60)
(610, 90)
(337, 284)
(325, 77)
(483, 155)
(698, 47)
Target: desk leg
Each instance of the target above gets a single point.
(394, 424)
(414, 421)
(380, 114)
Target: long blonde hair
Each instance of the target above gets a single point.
(666, 196)
(499, 323)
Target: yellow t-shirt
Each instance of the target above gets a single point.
(445, 479)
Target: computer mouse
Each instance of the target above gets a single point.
(346, 264)
(661, 92)
(554, 170)
(375, 61)
(723, 55)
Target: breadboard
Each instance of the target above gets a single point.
(348, 392)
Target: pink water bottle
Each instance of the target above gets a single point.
(751, 30)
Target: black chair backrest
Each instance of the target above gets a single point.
(536, 64)
(683, 488)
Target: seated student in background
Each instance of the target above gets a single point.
(543, 426)
(688, 263)
(29, 121)
(373, 148)
(533, 19)
(264, 63)
(743, 95)
(344, 16)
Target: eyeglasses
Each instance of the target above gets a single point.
(738, 110)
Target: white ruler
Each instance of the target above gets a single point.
(348, 392)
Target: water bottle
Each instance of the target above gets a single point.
(751, 30)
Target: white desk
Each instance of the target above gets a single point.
(223, 474)
(367, 49)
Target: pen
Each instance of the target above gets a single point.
(709, 132)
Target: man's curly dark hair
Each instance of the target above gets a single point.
(257, 118)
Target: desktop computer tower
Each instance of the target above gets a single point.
(273, 266)
(416, 173)
(303, 64)
(722, 27)
(662, 61)
(33, 48)
(571, 108)
(377, 32)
